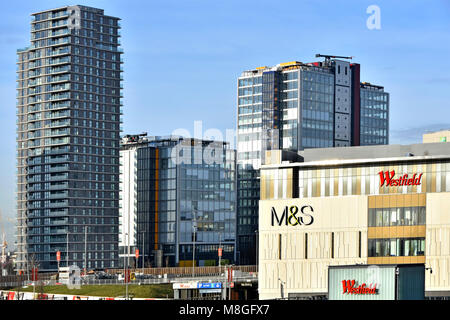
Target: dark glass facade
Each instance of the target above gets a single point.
(68, 112)
(397, 247)
(271, 111)
(247, 218)
(317, 110)
(401, 216)
(374, 115)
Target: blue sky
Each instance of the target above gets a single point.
(182, 59)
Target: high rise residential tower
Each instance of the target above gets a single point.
(295, 106)
(68, 134)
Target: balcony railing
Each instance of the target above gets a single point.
(60, 195)
(60, 96)
(59, 105)
(60, 231)
(59, 14)
(60, 87)
(60, 69)
(60, 51)
(59, 204)
(59, 222)
(59, 186)
(65, 59)
(59, 177)
(59, 23)
(59, 168)
(60, 32)
(56, 123)
(58, 213)
(58, 159)
(59, 132)
(59, 78)
(57, 151)
(58, 114)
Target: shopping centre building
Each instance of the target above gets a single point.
(375, 205)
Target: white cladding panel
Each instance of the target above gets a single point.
(299, 255)
(127, 200)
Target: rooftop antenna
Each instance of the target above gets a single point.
(329, 57)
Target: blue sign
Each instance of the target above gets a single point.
(209, 285)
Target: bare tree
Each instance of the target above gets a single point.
(34, 271)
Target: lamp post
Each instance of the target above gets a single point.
(230, 279)
(282, 283)
(58, 258)
(127, 266)
(28, 267)
(67, 248)
(143, 251)
(428, 269)
(124, 260)
(85, 250)
(193, 248)
(257, 252)
(397, 272)
(220, 253)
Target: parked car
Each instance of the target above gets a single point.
(144, 276)
(103, 275)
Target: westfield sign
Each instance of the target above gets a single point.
(389, 178)
(350, 288)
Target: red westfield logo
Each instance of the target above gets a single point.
(349, 288)
(387, 178)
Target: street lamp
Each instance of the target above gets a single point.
(85, 250)
(127, 266)
(67, 249)
(220, 253)
(257, 252)
(124, 258)
(194, 227)
(282, 283)
(143, 251)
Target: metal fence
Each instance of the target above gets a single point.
(22, 280)
(158, 276)
(163, 280)
(214, 270)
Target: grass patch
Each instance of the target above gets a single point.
(137, 291)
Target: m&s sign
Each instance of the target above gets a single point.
(293, 216)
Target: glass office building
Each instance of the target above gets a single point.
(185, 198)
(374, 115)
(296, 106)
(68, 125)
